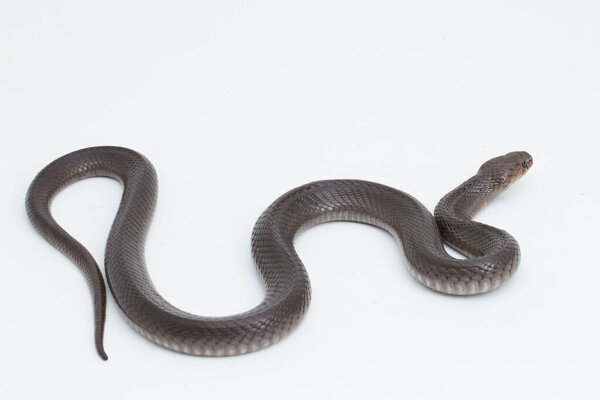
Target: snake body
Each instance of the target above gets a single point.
(493, 254)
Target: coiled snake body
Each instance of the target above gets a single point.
(493, 253)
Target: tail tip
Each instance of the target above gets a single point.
(101, 352)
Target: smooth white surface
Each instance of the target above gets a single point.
(235, 103)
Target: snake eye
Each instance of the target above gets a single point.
(524, 164)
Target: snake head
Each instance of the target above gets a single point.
(506, 169)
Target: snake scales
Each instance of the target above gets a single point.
(493, 254)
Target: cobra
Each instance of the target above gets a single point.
(492, 253)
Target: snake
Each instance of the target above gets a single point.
(491, 255)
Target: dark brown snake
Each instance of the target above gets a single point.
(492, 253)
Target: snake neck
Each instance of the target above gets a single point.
(454, 212)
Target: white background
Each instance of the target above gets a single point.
(236, 102)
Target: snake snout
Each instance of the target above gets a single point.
(528, 162)
(517, 164)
